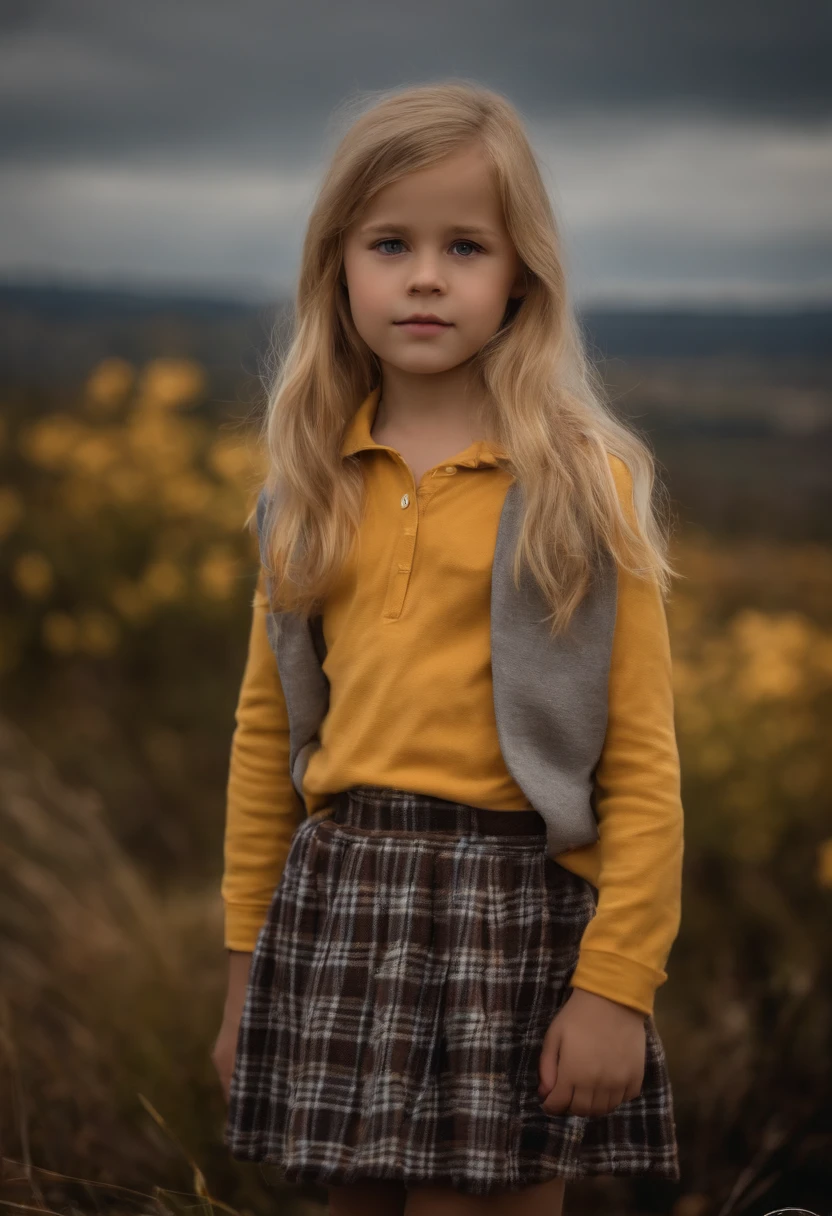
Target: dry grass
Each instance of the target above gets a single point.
(110, 997)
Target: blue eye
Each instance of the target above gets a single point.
(395, 240)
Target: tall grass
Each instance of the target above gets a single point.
(110, 996)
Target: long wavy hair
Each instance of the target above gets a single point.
(587, 478)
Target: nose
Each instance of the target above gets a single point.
(425, 274)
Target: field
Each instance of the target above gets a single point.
(124, 601)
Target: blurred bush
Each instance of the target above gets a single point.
(747, 1011)
(126, 579)
(131, 508)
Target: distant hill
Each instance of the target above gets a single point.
(672, 333)
(56, 332)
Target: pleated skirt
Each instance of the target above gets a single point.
(413, 957)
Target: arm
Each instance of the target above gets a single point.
(262, 812)
(626, 945)
(262, 806)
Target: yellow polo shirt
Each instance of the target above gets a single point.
(407, 628)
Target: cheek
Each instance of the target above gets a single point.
(485, 296)
(367, 294)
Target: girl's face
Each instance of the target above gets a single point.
(433, 242)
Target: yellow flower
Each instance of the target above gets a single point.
(131, 601)
(218, 574)
(230, 459)
(127, 485)
(60, 632)
(93, 454)
(50, 441)
(166, 383)
(98, 632)
(161, 444)
(824, 871)
(108, 385)
(146, 436)
(163, 581)
(33, 575)
(774, 653)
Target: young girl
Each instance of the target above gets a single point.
(454, 833)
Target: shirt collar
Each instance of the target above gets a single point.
(358, 437)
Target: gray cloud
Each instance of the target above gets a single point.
(93, 76)
(684, 143)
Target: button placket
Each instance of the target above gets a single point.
(402, 562)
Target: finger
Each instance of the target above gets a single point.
(547, 1065)
(634, 1090)
(550, 1073)
(617, 1096)
(560, 1099)
(581, 1103)
(603, 1101)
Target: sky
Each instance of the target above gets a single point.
(686, 146)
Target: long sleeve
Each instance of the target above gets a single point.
(641, 838)
(262, 806)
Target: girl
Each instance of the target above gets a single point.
(454, 832)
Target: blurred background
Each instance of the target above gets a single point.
(158, 164)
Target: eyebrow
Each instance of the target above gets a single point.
(472, 229)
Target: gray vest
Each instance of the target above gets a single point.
(550, 694)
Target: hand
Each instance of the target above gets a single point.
(593, 1056)
(225, 1048)
(224, 1052)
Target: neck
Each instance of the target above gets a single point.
(412, 404)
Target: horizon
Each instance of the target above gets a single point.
(244, 295)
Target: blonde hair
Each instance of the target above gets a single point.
(587, 478)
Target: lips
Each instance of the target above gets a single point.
(423, 321)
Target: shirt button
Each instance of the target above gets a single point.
(405, 500)
(450, 468)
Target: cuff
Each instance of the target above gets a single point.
(618, 978)
(243, 923)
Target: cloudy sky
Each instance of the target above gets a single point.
(687, 144)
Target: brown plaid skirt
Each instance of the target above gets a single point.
(414, 955)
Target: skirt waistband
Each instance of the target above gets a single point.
(383, 808)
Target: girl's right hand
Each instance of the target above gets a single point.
(224, 1053)
(225, 1048)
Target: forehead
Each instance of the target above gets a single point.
(457, 190)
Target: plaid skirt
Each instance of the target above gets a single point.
(413, 957)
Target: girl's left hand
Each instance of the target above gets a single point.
(593, 1056)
